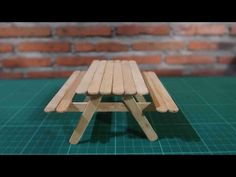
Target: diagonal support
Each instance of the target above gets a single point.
(140, 98)
(140, 118)
(85, 119)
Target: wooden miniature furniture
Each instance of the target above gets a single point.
(112, 78)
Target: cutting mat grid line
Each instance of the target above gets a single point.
(205, 124)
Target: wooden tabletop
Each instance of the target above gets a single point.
(112, 78)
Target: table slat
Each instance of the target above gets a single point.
(84, 84)
(138, 79)
(106, 85)
(129, 84)
(117, 87)
(95, 84)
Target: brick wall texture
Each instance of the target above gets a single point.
(51, 50)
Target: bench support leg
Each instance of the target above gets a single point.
(85, 119)
(140, 118)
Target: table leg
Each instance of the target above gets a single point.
(85, 118)
(140, 98)
(140, 118)
(86, 99)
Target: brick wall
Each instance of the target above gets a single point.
(41, 50)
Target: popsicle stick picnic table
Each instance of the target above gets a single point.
(122, 78)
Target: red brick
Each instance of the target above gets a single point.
(210, 72)
(233, 30)
(14, 31)
(141, 59)
(200, 29)
(190, 59)
(4, 47)
(76, 61)
(130, 30)
(44, 47)
(111, 47)
(26, 62)
(48, 74)
(84, 31)
(100, 47)
(84, 47)
(202, 45)
(158, 45)
(168, 72)
(227, 60)
(10, 75)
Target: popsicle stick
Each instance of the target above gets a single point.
(156, 97)
(95, 84)
(110, 107)
(86, 99)
(85, 119)
(138, 79)
(106, 85)
(61, 93)
(84, 84)
(129, 85)
(140, 118)
(172, 107)
(140, 98)
(117, 85)
(67, 99)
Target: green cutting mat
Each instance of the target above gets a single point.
(205, 124)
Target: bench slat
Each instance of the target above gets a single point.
(95, 84)
(129, 85)
(118, 86)
(61, 93)
(67, 99)
(106, 85)
(172, 107)
(138, 79)
(84, 84)
(156, 97)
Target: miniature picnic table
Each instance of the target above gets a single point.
(116, 77)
